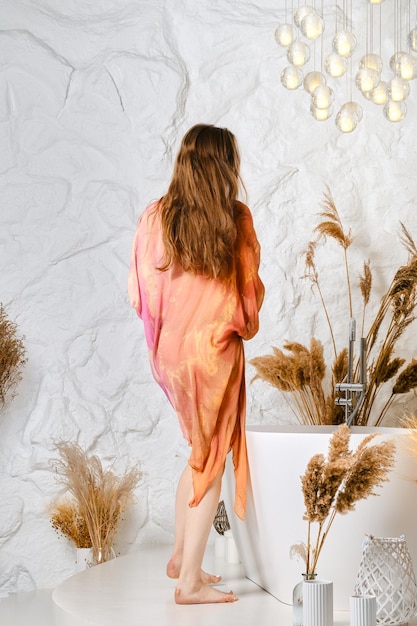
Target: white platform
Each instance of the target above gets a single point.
(134, 590)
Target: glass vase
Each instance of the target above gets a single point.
(297, 600)
(102, 554)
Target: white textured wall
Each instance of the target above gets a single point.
(95, 96)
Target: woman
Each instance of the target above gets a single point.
(194, 282)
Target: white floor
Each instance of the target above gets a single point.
(133, 590)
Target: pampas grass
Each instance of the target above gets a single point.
(334, 485)
(12, 358)
(395, 314)
(331, 226)
(68, 521)
(365, 286)
(301, 373)
(98, 499)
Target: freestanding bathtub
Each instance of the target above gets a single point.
(278, 456)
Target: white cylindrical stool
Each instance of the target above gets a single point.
(362, 610)
(232, 554)
(317, 603)
(220, 546)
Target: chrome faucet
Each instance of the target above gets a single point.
(354, 393)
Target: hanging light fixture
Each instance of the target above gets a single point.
(285, 34)
(366, 79)
(313, 80)
(321, 115)
(344, 43)
(322, 97)
(292, 77)
(404, 65)
(412, 39)
(298, 53)
(349, 116)
(312, 25)
(379, 94)
(335, 65)
(395, 111)
(372, 62)
(305, 34)
(398, 89)
(301, 13)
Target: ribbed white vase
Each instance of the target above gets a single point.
(317, 603)
(362, 610)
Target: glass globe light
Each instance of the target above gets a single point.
(349, 116)
(291, 77)
(398, 89)
(344, 44)
(379, 94)
(298, 53)
(373, 61)
(285, 35)
(376, 1)
(301, 13)
(321, 115)
(313, 80)
(404, 65)
(395, 111)
(335, 65)
(345, 123)
(322, 97)
(352, 110)
(312, 25)
(412, 39)
(366, 79)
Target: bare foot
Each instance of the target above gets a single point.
(203, 595)
(173, 571)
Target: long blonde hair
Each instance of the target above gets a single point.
(199, 211)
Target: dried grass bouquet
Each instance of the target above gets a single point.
(12, 358)
(98, 499)
(300, 370)
(334, 485)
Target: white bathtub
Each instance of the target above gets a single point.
(278, 456)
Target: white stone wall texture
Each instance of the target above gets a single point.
(95, 96)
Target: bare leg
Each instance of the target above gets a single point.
(184, 495)
(197, 523)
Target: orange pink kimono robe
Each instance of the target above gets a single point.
(194, 327)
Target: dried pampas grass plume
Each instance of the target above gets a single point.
(365, 282)
(408, 241)
(335, 484)
(332, 226)
(12, 358)
(301, 372)
(365, 286)
(407, 380)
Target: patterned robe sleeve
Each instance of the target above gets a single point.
(250, 286)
